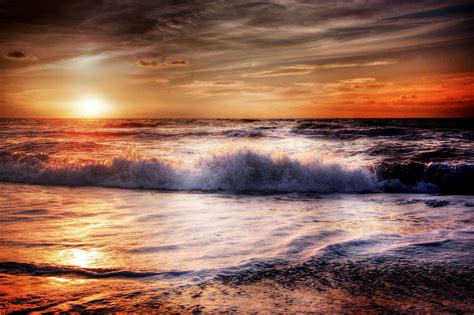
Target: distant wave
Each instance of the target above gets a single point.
(154, 134)
(50, 270)
(337, 131)
(134, 124)
(402, 129)
(241, 171)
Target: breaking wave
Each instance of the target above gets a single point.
(241, 171)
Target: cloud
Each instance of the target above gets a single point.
(16, 55)
(154, 63)
(357, 64)
(115, 18)
(229, 41)
(408, 97)
(148, 63)
(219, 88)
(177, 62)
(19, 55)
(271, 33)
(335, 88)
(283, 71)
(359, 80)
(444, 11)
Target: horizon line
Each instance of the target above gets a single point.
(234, 118)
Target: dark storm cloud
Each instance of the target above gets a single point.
(162, 17)
(102, 16)
(277, 13)
(122, 29)
(261, 38)
(460, 10)
(285, 33)
(260, 24)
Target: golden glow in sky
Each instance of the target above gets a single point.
(92, 107)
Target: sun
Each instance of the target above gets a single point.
(91, 107)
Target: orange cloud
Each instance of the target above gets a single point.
(438, 96)
(283, 71)
(148, 63)
(177, 62)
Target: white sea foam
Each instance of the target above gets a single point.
(242, 170)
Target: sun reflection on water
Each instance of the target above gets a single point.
(80, 257)
(65, 281)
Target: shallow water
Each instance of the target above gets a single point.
(61, 247)
(217, 218)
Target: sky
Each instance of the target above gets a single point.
(236, 59)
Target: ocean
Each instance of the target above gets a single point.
(202, 215)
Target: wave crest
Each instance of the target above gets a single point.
(243, 170)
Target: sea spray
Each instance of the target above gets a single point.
(240, 170)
